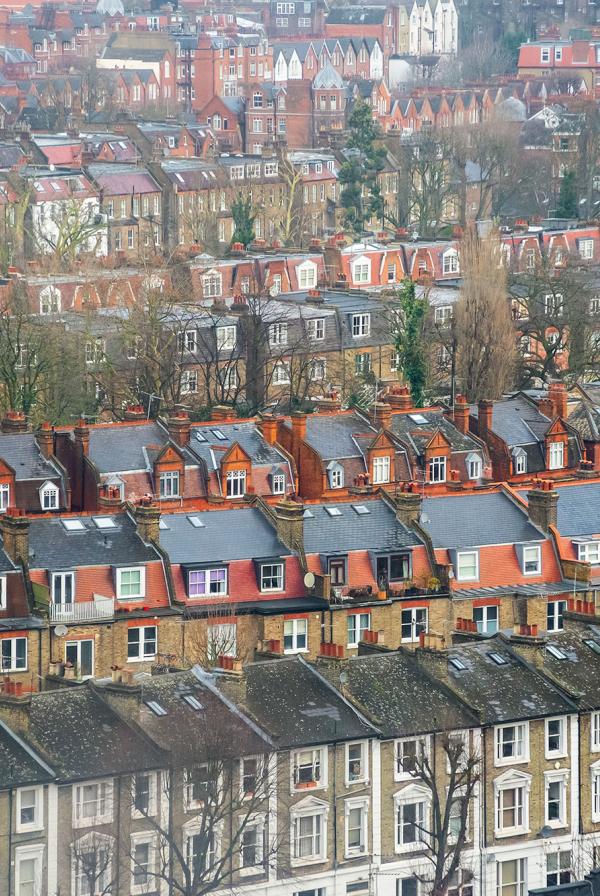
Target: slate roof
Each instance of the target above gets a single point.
(502, 693)
(51, 546)
(116, 449)
(579, 509)
(18, 764)
(248, 437)
(379, 530)
(586, 420)
(189, 733)
(353, 15)
(580, 669)
(81, 737)
(226, 535)
(332, 437)
(461, 521)
(517, 421)
(296, 707)
(399, 696)
(21, 452)
(419, 434)
(117, 180)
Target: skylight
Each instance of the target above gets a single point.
(104, 522)
(418, 418)
(196, 522)
(162, 525)
(593, 645)
(360, 509)
(192, 701)
(200, 437)
(73, 525)
(499, 659)
(457, 663)
(556, 652)
(333, 511)
(308, 515)
(219, 435)
(156, 708)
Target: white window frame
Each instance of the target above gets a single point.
(474, 466)
(561, 750)
(212, 285)
(169, 481)
(298, 631)
(256, 823)
(37, 824)
(485, 620)
(595, 775)
(520, 462)
(152, 795)
(235, 484)
(358, 617)
(307, 275)
(24, 854)
(278, 334)
(450, 262)
(511, 782)
(281, 374)
(560, 778)
(222, 583)
(413, 795)
(532, 549)
(312, 809)
(143, 838)
(13, 666)
(460, 576)
(586, 249)
(438, 468)
(361, 325)
(315, 329)
(81, 821)
(422, 748)
(556, 456)
(310, 757)
(361, 804)
(595, 732)
(361, 271)
(4, 496)
(415, 623)
(363, 777)
(381, 469)
(142, 656)
(589, 552)
(141, 593)
(278, 484)
(517, 887)
(49, 490)
(189, 382)
(515, 758)
(226, 338)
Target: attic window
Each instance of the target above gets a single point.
(333, 511)
(308, 515)
(196, 522)
(219, 435)
(556, 652)
(156, 708)
(498, 659)
(193, 702)
(360, 509)
(104, 522)
(458, 664)
(162, 525)
(418, 418)
(593, 645)
(73, 525)
(200, 437)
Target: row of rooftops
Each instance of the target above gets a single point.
(287, 703)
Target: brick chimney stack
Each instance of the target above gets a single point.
(179, 428)
(134, 412)
(557, 393)
(298, 431)
(408, 504)
(15, 421)
(399, 398)
(543, 504)
(461, 414)
(15, 534)
(268, 426)
(383, 415)
(290, 523)
(45, 439)
(485, 415)
(82, 437)
(147, 519)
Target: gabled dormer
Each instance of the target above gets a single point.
(169, 473)
(380, 459)
(556, 446)
(235, 473)
(437, 458)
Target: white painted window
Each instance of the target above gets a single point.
(226, 338)
(467, 566)
(28, 870)
(309, 768)
(511, 797)
(355, 826)
(235, 485)
(556, 456)
(586, 249)
(555, 787)
(30, 809)
(532, 560)
(307, 275)
(295, 636)
(381, 470)
(92, 803)
(408, 753)
(131, 582)
(450, 262)
(271, 577)
(143, 864)
(437, 469)
(278, 334)
(358, 624)
(486, 619)
(14, 654)
(278, 485)
(589, 552)
(361, 325)
(413, 621)
(316, 329)
(189, 382)
(4, 496)
(412, 806)
(356, 763)
(474, 466)
(212, 285)
(309, 835)
(169, 484)
(512, 743)
(49, 496)
(141, 643)
(361, 270)
(281, 374)
(511, 877)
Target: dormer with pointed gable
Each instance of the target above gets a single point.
(235, 473)
(438, 453)
(169, 473)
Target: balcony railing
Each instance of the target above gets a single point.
(87, 611)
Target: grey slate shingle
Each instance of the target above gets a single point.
(226, 535)
(378, 530)
(463, 521)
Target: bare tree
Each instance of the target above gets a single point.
(293, 216)
(485, 334)
(94, 867)
(72, 227)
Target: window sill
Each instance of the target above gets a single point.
(141, 659)
(253, 871)
(355, 853)
(317, 860)
(512, 760)
(511, 832)
(29, 828)
(292, 651)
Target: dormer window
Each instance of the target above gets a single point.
(169, 484)
(207, 582)
(467, 566)
(556, 456)
(437, 469)
(519, 461)
(49, 496)
(361, 325)
(381, 470)
(474, 466)
(278, 483)
(4, 496)
(131, 583)
(271, 576)
(235, 484)
(450, 262)
(335, 474)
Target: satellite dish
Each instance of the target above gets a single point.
(309, 580)
(61, 630)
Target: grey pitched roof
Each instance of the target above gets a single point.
(518, 421)
(579, 509)
(377, 530)
(477, 519)
(248, 437)
(328, 78)
(409, 428)
(296, 707)
(18, 763)
(239, 534)
(502, 693)
(116, 449)
(81, 737)
(332, 436)
(54, 547)
(21, 452)
(580, 669)
(390, 690)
